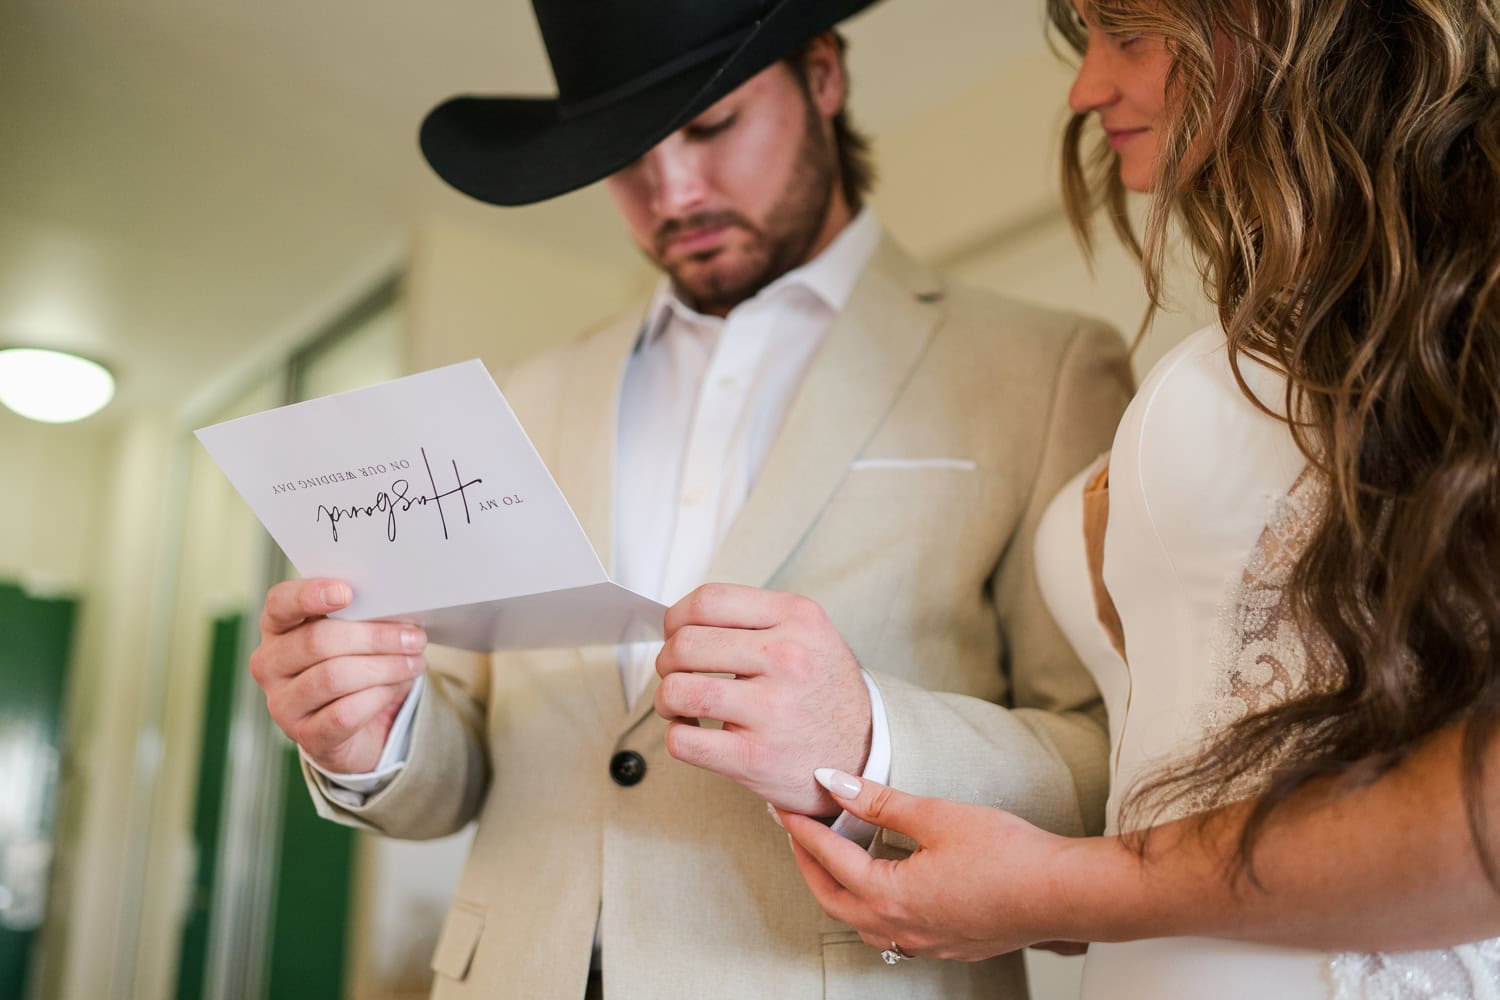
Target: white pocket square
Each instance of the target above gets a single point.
(959, 464)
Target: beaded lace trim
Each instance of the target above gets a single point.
(1468, 972)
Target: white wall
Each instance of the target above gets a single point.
(1044, 264)
(973, 188)
(49, 503)
(475, 292)
(110, 692)
(221, 548)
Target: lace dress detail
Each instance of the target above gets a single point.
(1468, 972)
(1262, 658)
(1260, 653)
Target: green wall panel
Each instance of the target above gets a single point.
(35, 637)
(312, 897)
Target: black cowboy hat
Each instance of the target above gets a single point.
(629, 73)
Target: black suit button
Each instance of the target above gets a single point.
(627, 768)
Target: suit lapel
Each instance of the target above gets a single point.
(589, 409)
(583, 463)
(865, 359)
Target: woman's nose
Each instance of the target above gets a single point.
(1093, 88)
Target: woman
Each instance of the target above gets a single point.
(1295, 623)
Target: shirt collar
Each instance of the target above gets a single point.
(830, 276)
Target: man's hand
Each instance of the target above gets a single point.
(334, 687)
(795, 700)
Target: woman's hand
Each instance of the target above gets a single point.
(982, 882)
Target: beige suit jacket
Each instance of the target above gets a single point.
(925, 567)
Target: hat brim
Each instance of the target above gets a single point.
(517, 150)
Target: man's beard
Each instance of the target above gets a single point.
(791, 230)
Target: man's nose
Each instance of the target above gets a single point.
(1094, 88)
(677, 169)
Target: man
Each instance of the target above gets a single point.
(801, 407)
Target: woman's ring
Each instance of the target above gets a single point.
(894, 954)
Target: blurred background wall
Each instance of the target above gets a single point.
(224, 203)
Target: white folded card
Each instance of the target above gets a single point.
(425, 494)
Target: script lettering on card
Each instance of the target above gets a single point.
(398, 498)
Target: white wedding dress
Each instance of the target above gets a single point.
(1209, 504)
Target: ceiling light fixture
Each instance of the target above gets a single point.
(52, 386)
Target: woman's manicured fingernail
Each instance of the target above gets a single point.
(335, 595)
(845, 786)
(775, 818)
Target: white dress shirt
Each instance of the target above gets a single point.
(701, 402)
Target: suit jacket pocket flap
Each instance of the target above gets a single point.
(458, 941)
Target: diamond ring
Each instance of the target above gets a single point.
(894, 954)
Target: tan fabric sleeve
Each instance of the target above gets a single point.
(1044, 755)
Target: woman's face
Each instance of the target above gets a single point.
(1123, 79)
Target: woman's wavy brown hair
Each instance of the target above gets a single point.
(1335, 166)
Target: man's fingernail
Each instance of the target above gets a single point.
(775, 818)
(413, 664)
(335, 595)
(412, 640)
(845, 786)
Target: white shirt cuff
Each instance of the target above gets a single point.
(877, 767)
(392, 757)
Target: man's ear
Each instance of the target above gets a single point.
(823, 68)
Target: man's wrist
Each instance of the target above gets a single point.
(875, 765)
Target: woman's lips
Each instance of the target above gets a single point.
(1121, 136)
